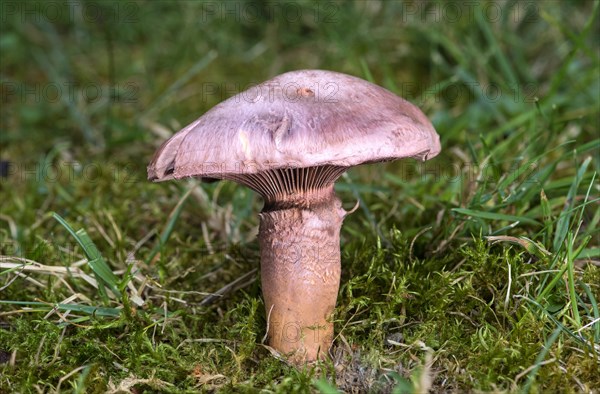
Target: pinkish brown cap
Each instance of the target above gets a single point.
(300, 119)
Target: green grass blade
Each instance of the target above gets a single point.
(595, 309)
(564, 220)
(101, 270)
(89, 310)
(571, 278)
(80, 384)
(590, 253)
(199, 66)
(566, 63)
(325, 387)
(540, 358)
(500, 55)
(551, 317)
(495, 216)
(164, 237)
(547, 217)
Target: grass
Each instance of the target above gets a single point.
(477, 271)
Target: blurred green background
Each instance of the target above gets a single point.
(103, 75)
(89, 90)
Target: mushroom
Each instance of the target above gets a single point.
(289, 139)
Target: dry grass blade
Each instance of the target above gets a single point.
(20, 264)
(239, 283)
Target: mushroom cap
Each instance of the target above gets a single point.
(300, 119)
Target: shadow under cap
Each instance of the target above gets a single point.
(300, 119)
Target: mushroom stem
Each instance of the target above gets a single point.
(300, 272)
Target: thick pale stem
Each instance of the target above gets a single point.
(300, 271)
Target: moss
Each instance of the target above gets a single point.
(427, 298)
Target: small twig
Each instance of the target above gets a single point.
(538, 273)
(103, 233)
(412, 243)
(207, 242)
(507, 299)
(588, 325)
(67, 376)
(11, 280)
(142, 241)
(39, 351)
(445, 242)
(228, 287)
(57, 347)
(268, 325)
(531, 367)
(463, 316)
